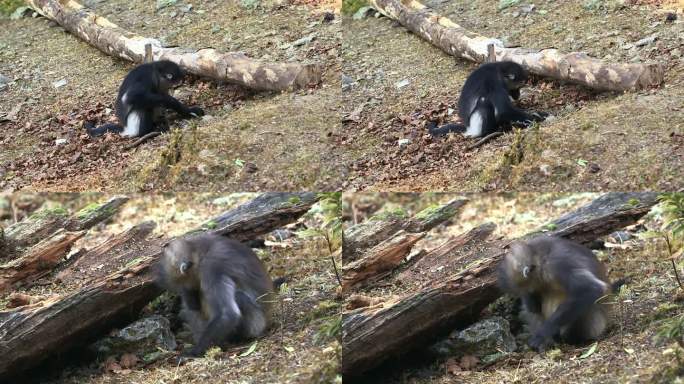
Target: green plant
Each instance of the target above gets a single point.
(673, 227)
(9, 6)
(330, 208)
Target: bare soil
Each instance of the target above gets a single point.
(247, 141)
(596, 141)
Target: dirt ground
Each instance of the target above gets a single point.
(597, 141)
(296, 349)
(248, 141)
(629, 353)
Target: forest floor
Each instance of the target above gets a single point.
(297, 349)
(396, 81)
(630, 352)
(247, 141)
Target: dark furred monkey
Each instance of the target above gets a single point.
(225, 289)
(142, 99)
(484, 104)
(562, 286)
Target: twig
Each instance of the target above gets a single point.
(142, 140)
(674, 265)
(332, 258)
(484, 140)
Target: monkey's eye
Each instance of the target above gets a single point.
(169, 76)
(184, 267)
(511, 76)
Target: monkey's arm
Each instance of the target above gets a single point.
(508, 112)
(582, 291)
(224, 314)
(149, 100)
(191, 299)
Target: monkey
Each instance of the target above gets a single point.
(562, 286)
(143, 97)
(225, 291)
(484, 104)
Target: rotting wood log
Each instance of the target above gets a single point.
(45, 222)
(576, 67)
(38, 260)
(232, 67)
(30, 335)
(370, 337)
(382, 258)
(359, 238)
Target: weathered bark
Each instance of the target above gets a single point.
(232, 67)
(38, 260)
(369, 337)
(29, 335)
(382, 258)
(360, 237)
(576, 67)
(55, 233)
(43, 223)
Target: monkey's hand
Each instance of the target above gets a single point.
(195, 111)
(540, 342)
(539, 116)
(193, 352)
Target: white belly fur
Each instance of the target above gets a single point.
(132, 127)
(475, 125)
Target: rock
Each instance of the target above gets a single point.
(619, 237)
(362, 13)
(403, 142)
(4, 80)
(304, 40)
(59, 83)
(165, 3)
(488, 339)
(402, 83)
(144, 336)
(347, 82)
(647, 40)
(61, 141)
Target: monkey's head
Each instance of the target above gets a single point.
(520, 264)
(179, 261)
(514, 75)
(170, 74)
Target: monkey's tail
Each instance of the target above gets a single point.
(444, 129)
(94, 131)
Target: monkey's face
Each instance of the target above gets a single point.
(179, 259)
(515, 76)
(170, 75)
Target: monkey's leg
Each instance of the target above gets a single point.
(590, 326)
(254, 320)
(224, 313)
(506, 112)
(482, 120)
(195, 322)
(582, 293)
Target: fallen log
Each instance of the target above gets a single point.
(232, 67)
(39, 260)
(371, 336)
(360, 237)
(575, 67)
(30, 335)
(43, 223)
(54, 233)
(382, 258)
